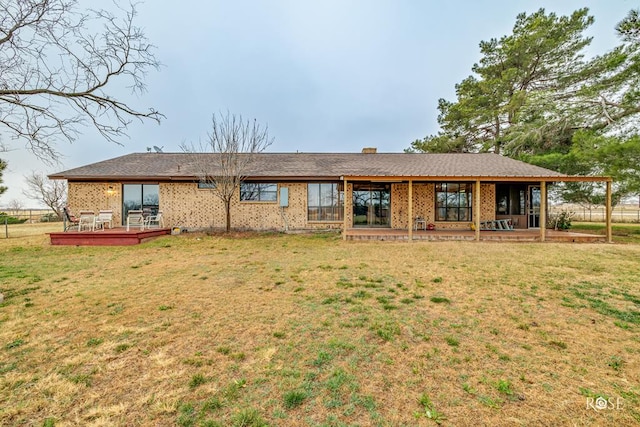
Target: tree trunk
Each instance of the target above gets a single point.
(227, 206)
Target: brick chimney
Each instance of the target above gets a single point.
(369, 150)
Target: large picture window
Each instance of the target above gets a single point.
(454, 201)
(324, 202)
(258, 192)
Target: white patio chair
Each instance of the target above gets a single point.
(104, 217)
(135, 218)
(154, 221)
(86, 220)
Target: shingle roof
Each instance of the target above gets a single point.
(182, 166)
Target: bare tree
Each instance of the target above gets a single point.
(53, 193)
(55, 71)
(232, 144)
(15, 205)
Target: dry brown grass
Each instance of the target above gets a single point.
(311, 330)
(35, 231)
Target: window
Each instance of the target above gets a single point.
(454, 201)
(324, 202)
(206, 185)
(510, 199)
(258, 192)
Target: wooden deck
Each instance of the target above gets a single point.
(118, 236)
(497, 236)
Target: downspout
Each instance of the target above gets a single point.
(284, 219)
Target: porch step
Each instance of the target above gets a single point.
(465, 235)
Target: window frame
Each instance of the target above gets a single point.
(260, 192)
(457, 204)
(206, 185)
(146, 190)
(326, 212)
(511, 199)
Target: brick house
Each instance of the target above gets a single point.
(296, 191)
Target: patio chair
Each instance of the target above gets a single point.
(104, 217)
(87, 220)
(154, 221)
(135, 218)
(70, 220)
(419, 222)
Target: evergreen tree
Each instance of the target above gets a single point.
(534, 97)
(3, 166)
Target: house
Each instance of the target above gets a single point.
(296, 191)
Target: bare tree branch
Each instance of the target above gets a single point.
(53, 193)
(232, 144)
(55, 72)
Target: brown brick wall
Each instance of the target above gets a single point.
(487, 202)
(185, 205)
(424, 205)
(94, 196)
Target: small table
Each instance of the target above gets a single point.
(419, 221)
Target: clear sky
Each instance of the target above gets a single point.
(324, 75)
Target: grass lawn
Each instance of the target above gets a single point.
(283, 330)
(622, 232)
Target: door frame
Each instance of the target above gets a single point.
(371, 207)
(533, 206)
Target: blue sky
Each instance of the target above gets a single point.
(330, 75)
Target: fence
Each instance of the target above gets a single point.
(625, 213)
(30, 216)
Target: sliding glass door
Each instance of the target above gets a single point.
(145, 197)
(371, 205)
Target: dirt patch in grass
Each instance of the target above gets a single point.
(308, 330)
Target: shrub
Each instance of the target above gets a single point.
(4, 218)
(561, 220)
(50, 217)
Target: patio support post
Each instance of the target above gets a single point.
(476, 209)
(410, 213)
(609, 228)
(344, 209)
(543, 211)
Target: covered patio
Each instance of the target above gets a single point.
(476, 223)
